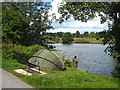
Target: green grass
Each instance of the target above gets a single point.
(86, 40)
(71, 78)
(11, 64)
(80, 40)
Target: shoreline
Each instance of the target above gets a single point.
(81, 40)
(72, 43)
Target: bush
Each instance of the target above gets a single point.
(67, 63)
(21, 53)
(67, 38)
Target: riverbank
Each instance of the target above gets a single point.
(71, 78)
(87, 40)
(80, 40)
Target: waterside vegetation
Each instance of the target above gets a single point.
(80, 40)
(23, 34)
(71, 78)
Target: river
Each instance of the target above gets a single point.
(92, 57)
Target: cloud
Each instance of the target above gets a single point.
(72, 26)
(55, 4)
(81, 30)
(72, 23)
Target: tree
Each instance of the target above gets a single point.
(77, 34)
(15, 27)
(28, 22)
(83, 11)
(59, 34)
(108, 11)
(74, 35)
(57, 39)
(67, 38)
(92, 35)
(86, 34)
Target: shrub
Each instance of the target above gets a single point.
(21, 53)
(67, 63)
(67, 38)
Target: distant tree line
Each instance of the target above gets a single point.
(75, 35)
(69, 37)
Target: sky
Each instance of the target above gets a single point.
(72, 26)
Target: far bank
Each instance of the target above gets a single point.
(79, 40)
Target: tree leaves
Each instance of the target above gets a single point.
(17, 19)
(67, 37)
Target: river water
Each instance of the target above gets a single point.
(92, 57)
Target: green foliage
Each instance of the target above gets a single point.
(82, 11)
(113, 33)
(87, 40)
(15, 27)
(77, 34)
(86, 34)
(57, 39)
(21, 53)
(92, 35)
(67, 63)
(70, 78)
(25, 23)
(59, 34)
(116, 71)
(67, 38)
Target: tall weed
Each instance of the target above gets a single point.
(21, 53)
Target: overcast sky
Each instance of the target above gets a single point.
(72, 25)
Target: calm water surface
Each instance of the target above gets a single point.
(92, 57)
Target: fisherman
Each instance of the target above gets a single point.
(75, 62)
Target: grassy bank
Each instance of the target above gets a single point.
(80, 40)
(71, 78)
(86, 40)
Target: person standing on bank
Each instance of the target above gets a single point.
(75, 62)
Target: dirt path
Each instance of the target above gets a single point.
(11, 81)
